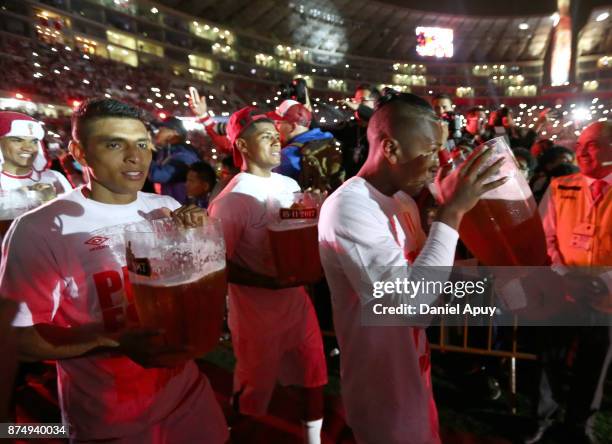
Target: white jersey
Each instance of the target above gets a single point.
(385, 371)
(56, 262)
(246, 206)
(11, 182)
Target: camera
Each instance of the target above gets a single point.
(455, 123)
(296, 90)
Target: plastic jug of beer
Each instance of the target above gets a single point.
(294, 240)
(177, 277)
(504, 228)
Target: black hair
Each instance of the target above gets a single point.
(205, 172)
(546, 144)
(397, 111)
(441, 96)
(525, 154)
(251, 127)
(553, 153)
(228, 162)
(563, 169)
(175, 124)
(393, 96)
(374, 92)
(502, 112)
(93, 109)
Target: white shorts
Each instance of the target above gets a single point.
(293, 356)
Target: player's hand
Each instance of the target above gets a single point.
(146, 348)
(187, 216)
(470, 185)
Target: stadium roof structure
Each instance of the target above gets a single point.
(484, 30)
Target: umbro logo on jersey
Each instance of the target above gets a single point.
(97, 242)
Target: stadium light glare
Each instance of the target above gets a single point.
(603, 16)
(581, 114)
(523, 26)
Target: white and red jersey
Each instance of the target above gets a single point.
(10, 181)
(246, 207)
(56, 262)
(385, 370)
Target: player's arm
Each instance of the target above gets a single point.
(30, 275)
(46, 341)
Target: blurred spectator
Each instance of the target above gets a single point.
(311, 157)
(72, 169)
(199, 107)
(474, 132)
(526, 162)
(442, 104)
(174, 156)
(538, 148)
(353, 134)
(22, 157)
(551, 158)
(201, 180)
(228, 171)
(503, 124)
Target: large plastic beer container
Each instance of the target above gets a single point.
(294, 240)
(178, 280)
(504, 228)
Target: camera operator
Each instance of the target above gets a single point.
(442, 104)
(451, 122)
(352, 133)
(475, 129)
(296, 90)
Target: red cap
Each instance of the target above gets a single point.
(238, 122)
(293, 112)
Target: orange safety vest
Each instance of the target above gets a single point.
(573, 205)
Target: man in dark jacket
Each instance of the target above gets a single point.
(172, 160)
(353, 133)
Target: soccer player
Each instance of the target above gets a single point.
(22, 158)
(116, 385)
(274, 328)
(370, 229)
